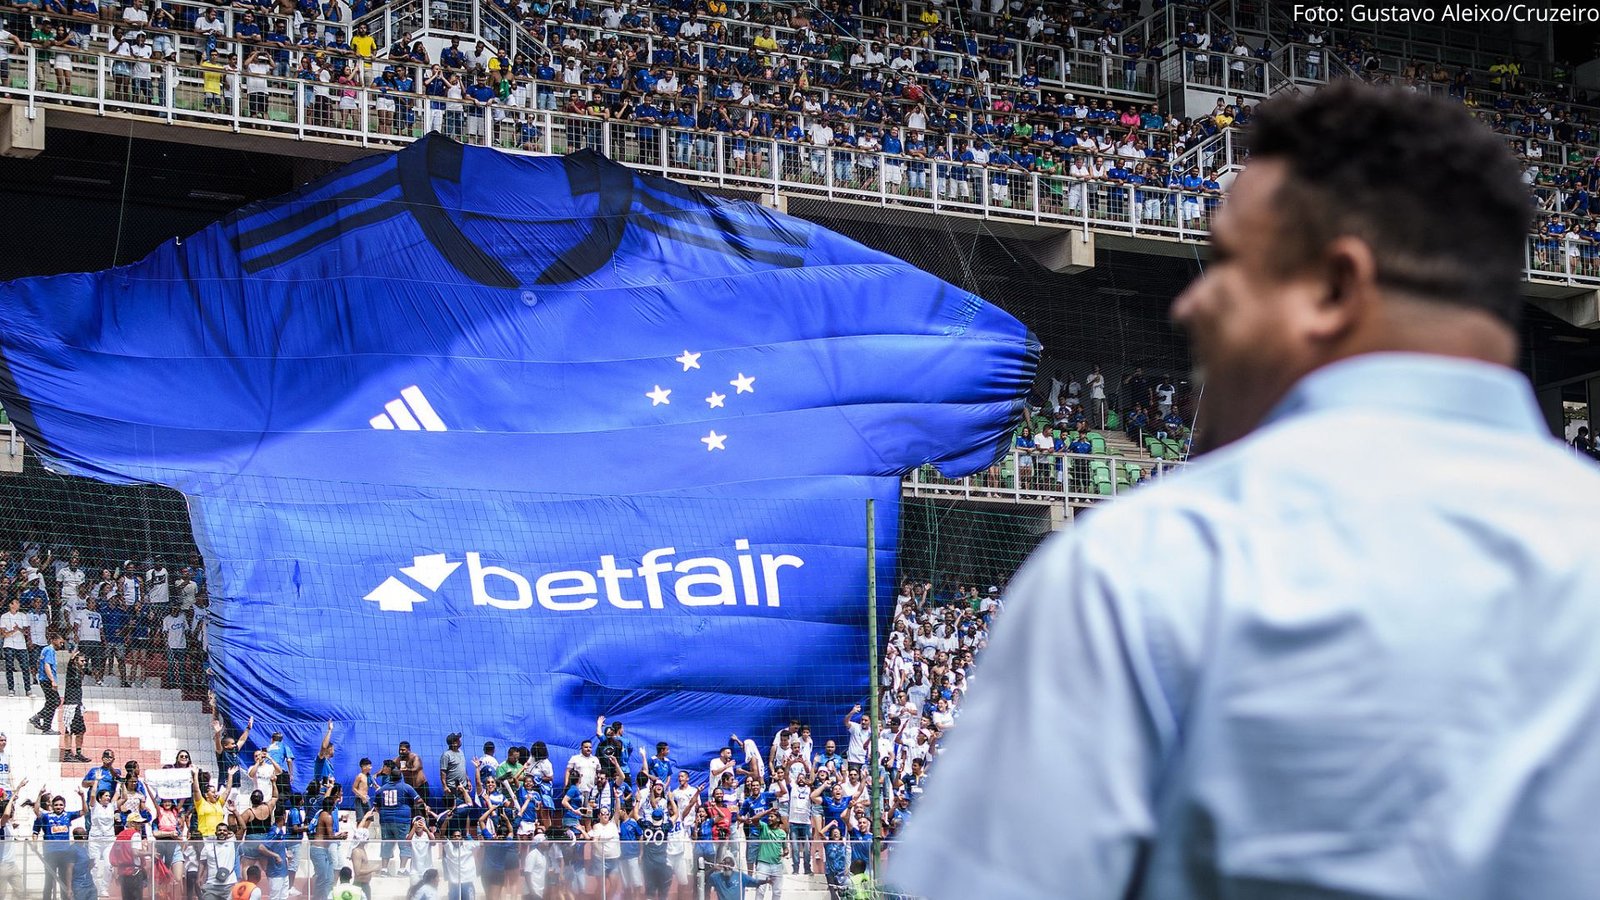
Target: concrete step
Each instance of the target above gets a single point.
(144, 724)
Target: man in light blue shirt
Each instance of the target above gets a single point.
(1367, 663)
(281, 753)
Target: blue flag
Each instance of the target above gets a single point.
(495, 444)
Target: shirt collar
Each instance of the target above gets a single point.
(1440, 387)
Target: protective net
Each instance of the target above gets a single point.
(777, 646)
(116, 572)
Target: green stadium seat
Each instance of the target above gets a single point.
(1113, 420)
(1097, 444)
(1105, 488)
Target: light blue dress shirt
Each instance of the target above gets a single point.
(1355, 654)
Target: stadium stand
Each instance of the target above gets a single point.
(1039, 112)
(1049, 116)
(1042, 112)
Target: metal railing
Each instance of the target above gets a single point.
(1075, 479)
(1566, 258)
(550, 857)
(1229, 74)
(360, 112)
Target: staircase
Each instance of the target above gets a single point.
(147, 724)
(1117, 442)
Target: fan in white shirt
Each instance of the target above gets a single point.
(460, 864)
(135, 16)
(219, 855)
(586, 764)
(69, 582)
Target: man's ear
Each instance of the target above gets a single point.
(1351, 288)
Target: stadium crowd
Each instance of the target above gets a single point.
(958, 101)
(1552, 124)
(1062, 444)
(126, 621)
(940, 101)
(620, 818)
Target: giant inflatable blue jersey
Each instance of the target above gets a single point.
(494, 444)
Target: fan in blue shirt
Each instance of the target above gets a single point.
(835, 804)
(753, 807)
(102, 777)
(572, 806)
(47, 665)
(653, 847)
(728, 884)
(275, 849)
(836, 855)
(82, 868)
(395, 800)
(56, 825)
(829, 757)
(661, 766)
(630, 832)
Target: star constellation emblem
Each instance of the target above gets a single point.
(742, 383)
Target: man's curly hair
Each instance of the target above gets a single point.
(1435, 193)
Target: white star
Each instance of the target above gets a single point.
(689, 360)
(745, 384)
(715, 400)
(713, 441)
(658, 396)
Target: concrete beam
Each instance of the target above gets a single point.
(207, 134)
(1065, 253)
(1581, 307)
(21, 131)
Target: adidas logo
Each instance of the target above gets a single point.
(410, 411)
